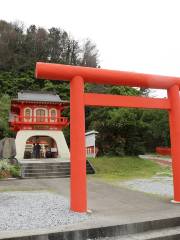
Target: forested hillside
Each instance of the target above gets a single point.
(121, 131)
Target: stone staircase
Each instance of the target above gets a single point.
(49, 169)
(160, 229)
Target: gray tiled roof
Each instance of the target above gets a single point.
(38, 96)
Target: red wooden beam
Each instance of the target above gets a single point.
(104, 76)
(107, 100)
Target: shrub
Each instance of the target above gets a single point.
(8, 170)
(4, 165)
(15, 170)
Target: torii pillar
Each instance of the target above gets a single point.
(77, 146)
(174, 122)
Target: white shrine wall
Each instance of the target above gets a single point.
(23, 135)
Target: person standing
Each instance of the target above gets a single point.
(38, 150)
(34, 151)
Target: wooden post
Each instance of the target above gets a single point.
(174, 120)
(77, 145)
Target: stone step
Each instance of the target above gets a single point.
(59, 174)
(40, 170)
(44, 164)
(44, 167)
(155, 229)
(51, 169)
(47, 176)
(48, 167)
(25, 173)
(45, 171)
(172, 233)
(29, 165)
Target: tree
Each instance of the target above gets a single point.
(11, 39)
(128, 131)
(89, 54)
(35, 46)
(4, 108)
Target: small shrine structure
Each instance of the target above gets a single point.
(91, 149)
(36, 117)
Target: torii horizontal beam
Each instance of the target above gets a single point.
(107, 100)
(104, 76)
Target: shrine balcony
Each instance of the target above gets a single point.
(38, 120)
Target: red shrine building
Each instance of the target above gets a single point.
(36, 117)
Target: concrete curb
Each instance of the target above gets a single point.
(100, 232)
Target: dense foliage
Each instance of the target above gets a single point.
(121, 131)
(4, 115)
(129, 131)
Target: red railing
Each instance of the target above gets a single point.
(163, 150)
(38, 120)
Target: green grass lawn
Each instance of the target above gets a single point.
(116, 168)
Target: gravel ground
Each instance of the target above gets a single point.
(35, 210)
(156, 185)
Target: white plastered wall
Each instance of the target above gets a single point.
(23, 135)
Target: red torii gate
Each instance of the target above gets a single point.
(78, 100)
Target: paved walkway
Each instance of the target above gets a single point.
(159, 185)
(164, 160)
(109, 204)
(149, 156)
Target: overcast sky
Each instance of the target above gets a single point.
(135, 35)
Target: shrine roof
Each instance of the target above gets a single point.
(91, 132)
(35, 96)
